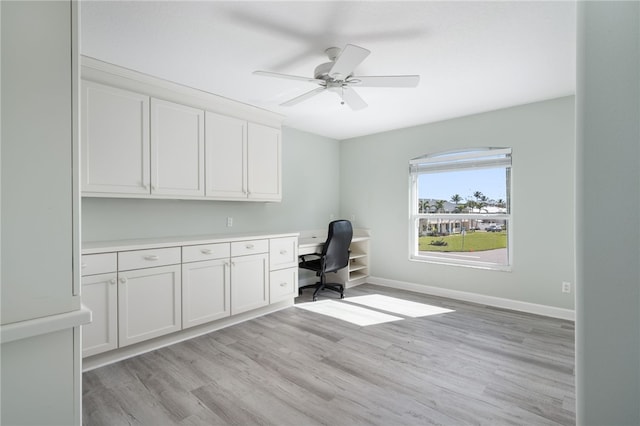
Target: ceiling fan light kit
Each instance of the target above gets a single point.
(337, 76)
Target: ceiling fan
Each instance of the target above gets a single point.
(337, 76)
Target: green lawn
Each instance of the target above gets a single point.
(473, 241)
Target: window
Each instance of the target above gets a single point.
(460, 208)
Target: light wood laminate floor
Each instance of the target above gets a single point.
(475, 366)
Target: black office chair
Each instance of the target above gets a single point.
(334, 256)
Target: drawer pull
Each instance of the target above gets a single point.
(283, 252)
(151, 257)
(249, 246)
(283, 284)
(205, 251)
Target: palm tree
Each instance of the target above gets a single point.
(456, 198)
(481, 201)
(423, 206)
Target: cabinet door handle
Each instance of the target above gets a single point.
(205, 251)
(123, 280)
(112, 281)
(152, 257)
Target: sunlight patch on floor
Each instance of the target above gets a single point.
(346, 312)
(397, 306)
(362, 316)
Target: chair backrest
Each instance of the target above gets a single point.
(336, 249)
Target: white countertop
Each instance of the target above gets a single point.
(92, 247)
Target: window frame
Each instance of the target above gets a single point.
(451, 161)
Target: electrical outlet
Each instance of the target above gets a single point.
(229, 222)
(566, 287)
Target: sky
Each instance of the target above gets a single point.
(441, 186)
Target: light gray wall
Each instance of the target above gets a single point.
(374, 172)
(310, 185)
(608, 191)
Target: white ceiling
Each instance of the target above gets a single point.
(472, 56)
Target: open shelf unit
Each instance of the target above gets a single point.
(358, 269)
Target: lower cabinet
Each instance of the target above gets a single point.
(249, 282)
(149, 303)
(141, 294)
(100, 295)
(283, 284)
(205, 291)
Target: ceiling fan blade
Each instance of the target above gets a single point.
(385, 81)
(350, 57)
(352, 99)
(303, 97)
(288, 76)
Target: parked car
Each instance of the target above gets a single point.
(493, 228)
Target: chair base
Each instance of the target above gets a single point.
(319, 286)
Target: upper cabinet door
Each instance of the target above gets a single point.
(177, 149)
(263, 163)
(226, 145)
(115, 140)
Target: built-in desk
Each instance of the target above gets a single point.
(358, 269)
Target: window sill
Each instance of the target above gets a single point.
(468, 264)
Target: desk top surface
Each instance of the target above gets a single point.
(319, 240)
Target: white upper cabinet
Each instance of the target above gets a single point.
(177, 149)
(263, 163)
(144, 137)
(115, 140)
(226, 147)
(242, 160)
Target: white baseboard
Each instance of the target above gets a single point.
(516, 305)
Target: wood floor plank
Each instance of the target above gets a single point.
(476, 365)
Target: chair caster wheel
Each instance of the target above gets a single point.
(342, 296)
(315, 298)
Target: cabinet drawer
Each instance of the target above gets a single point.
(283, 253)
(101, 263)
(283, 284)
(137, 259)
(205, 252)
(242, 248)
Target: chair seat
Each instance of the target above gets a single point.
(313, 265)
